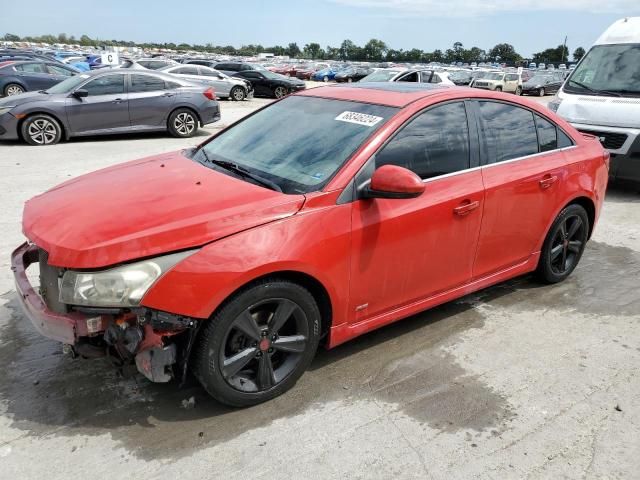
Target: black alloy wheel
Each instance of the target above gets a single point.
(564, 244)
(259, 344)
(280, 92)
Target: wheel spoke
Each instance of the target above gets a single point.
(555, 252)
(564, 259)
(290, 343)
(563, 230)
(233, 365)
(282, 314)
(575, 226)
(575, 246)
(246, 323)
(266, 375)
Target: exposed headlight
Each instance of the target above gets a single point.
(554, 104)
(122, 286)
(6, 109)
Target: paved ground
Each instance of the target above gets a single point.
(518, 381)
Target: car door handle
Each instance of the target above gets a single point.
(117, 100)
(547, 181)
(169, 94)
(466, 207)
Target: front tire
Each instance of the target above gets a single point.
(280, 92)
(541, 92)
(519, 91)
(13, 89)
(41, 129)
(183, 123)
(326, 79)
(259, 344)
(498, 89)
(564, 245)
(238, 94)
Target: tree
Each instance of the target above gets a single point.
(348, 50)
(313, 50)
(374, 50)
(504, 52)
(10, 37)
(293, 50)
(552, 55)
(578, 53)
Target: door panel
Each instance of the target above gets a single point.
(405, 250)
(149, 102)
(106, 107)
(521, 193)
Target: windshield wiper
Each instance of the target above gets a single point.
(593, 90)
(243, 172)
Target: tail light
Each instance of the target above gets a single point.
(210, 93)
(606, 156)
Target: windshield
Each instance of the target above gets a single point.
(613, 68)
(68, 85)
(298, 143)
(539, 79)
(495, 76)
(271, 75)
(381, 76)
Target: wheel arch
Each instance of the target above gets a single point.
(589, 206)
(65, 131)
(188, 107)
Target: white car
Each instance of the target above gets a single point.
(408, 75)
(224, 85)
(500, 82)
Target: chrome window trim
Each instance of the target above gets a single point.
(489, 165)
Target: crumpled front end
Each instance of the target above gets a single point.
(157, 343)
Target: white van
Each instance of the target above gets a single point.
(602, 96)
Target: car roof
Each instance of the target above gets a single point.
(393, 94)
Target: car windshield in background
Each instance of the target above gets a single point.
(68, 85)
(539, 78)
(494, 76)
(298, 143)
(381, 76)
(271, 75)
(608, 68)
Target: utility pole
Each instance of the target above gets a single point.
(564, 47)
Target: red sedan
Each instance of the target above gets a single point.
(237, 258)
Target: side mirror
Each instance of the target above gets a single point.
(80, 93)
(392, 181)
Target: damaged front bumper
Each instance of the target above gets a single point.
(146, 337)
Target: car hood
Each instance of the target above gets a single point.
(599, 111)
(144, 208)
(23, 98)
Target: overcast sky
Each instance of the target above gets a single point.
(530, 25)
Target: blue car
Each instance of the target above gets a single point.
(28, 75)
(326, 75)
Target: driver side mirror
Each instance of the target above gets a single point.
(392, 181)
(80, 93)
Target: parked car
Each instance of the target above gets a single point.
(352, 74)
(238, 258)
(542, 84)
(106, 102)
(224, 86)
(500, 82)
(327, 74)
(542, 66)
(601, 96)
(17, 77)
(203, 62)
(461, 77)
(156, 63)
(269, 84)
(306, 72)
(231, 68)
(406, 75)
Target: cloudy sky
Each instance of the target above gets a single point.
(530, 25)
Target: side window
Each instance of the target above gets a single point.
(106, 85)
(208, 73)
(433, 144)
(246, 67)
(509, 131)
(547, 136)
(512, 77)
(563, 140)
(435, 78)
(187, 71)
(251, 74)
(56, 70)
(146, 83)
(425, 77)
(31, 68)
(409, 77)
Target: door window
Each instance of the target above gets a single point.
(56, 70)
(31, 68)
(425, 76)
(433, 144)
(512, 78)
(106, 85)
(547, 135)
(509, 131)
(435, 78)
(187, 71)
(146, 83)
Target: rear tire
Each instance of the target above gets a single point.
(325, 79)
(258, 344)
(41, 129)
(564, 245)
(183, 123)
(13, 89)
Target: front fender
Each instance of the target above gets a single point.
(314, 242)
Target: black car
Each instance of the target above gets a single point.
(352, 74)
(23, 76)
(543, 84)
(231, 68)
(270, 84)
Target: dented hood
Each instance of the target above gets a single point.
(144, 208)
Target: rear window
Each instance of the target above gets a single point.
(146, 83)
(509, 132)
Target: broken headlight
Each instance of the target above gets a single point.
(122, 286)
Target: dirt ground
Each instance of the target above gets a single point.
(518, 381)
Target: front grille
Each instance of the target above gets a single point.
(610, 140)
(49, 283)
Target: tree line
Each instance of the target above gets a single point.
(374, 50)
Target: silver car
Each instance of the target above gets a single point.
(225, 86)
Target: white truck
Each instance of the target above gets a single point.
(602, 96)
